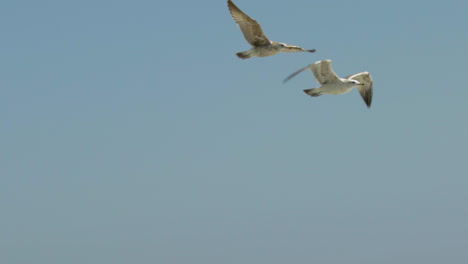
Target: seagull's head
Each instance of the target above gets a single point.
(283, 45)
(291, 48)
(288, 48)
(354, 82)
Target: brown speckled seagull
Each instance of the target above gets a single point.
(253, 33)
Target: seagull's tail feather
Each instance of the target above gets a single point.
(312, 92)
(243, 55)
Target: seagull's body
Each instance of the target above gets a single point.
(332, 84)
(253, 33)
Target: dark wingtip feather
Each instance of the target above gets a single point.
(367, 99)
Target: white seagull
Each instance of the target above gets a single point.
(332, 84)
(253, 33)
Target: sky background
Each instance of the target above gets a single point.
(131, 133)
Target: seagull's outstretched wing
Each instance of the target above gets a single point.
(366, 89)
(252, 31)
(324, 73)
(296, 73)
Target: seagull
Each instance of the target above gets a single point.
(253, 33)
(332, 84)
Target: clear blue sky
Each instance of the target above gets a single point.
(131, 133)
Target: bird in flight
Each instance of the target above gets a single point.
(332, 84)
(253, 33)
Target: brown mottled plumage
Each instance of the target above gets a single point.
(253, 33)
